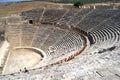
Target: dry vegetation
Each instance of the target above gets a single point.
(14, 8)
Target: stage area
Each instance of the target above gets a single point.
(21, 58)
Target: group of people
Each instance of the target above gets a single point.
(25, 70)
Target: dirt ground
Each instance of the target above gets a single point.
(19, 59)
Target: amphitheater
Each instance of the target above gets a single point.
(61, 42)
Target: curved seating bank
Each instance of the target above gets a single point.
(63, 34)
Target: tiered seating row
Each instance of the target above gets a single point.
(13, 35)
(54, 36)
(71, 41)
(69, 15)
(95, 18)
(27, 34)
(52, 15)
(12, 30)
(66, 46)
(37, 37)
(15, 19)
(32, 14)
(107, 34)
(79, 16)
(41, 36)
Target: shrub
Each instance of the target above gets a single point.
(78, 3)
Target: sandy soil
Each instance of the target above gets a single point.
(18, 59)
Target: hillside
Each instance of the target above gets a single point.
(13, 8)
(58, 41)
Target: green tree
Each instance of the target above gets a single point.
(78, 3)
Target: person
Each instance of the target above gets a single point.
(25, 70)
(20, 71)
